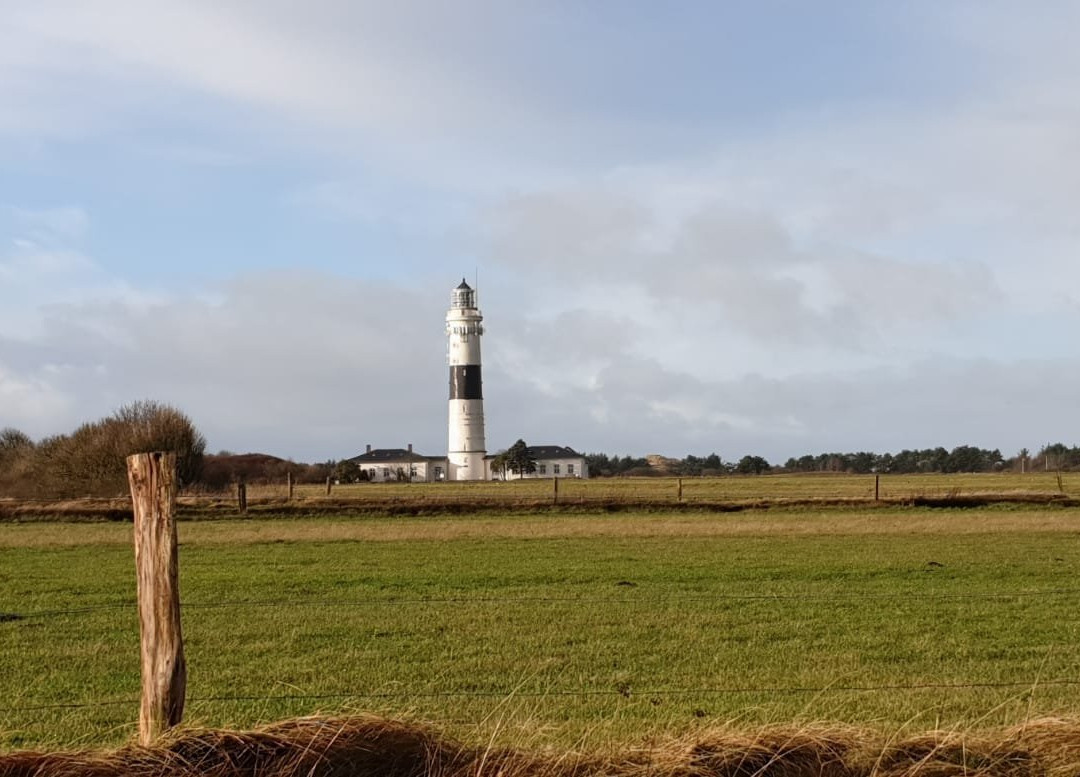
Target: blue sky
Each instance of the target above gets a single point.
(769, 228)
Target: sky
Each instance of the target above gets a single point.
(768, 228)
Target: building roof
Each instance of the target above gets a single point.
(387, 455)
(463, 286)
(551, 452)
(548, 452)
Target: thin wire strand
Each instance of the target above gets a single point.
(838, 597)
(586, 692)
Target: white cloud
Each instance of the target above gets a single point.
(292, 363)
(29, 264)
(30, 402)
(732, 270)
(360, 73)
(51, 224)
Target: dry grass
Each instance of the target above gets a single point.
(374, 747)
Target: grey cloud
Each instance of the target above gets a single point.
(642, 407)
(893, 291)
(734, 270)
(567, 338)
(724, 235)
(314, 367)
(293, 364)
(589, 232)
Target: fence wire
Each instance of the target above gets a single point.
(130, 604)
(574, 693)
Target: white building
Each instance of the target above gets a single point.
(382, 465)
(552, 461)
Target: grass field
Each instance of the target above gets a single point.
(560, 629)
(729, 488)
(735, 488)
(645, 493)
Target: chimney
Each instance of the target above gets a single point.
(410, 447)
(369, 448)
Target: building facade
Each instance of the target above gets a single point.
(386, 465)
(552, 461)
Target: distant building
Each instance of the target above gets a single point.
(382, 465)
(552, 461)
(395, 465)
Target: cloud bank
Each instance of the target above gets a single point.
(711, 229)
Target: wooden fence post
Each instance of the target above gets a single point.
(877, 488)
(289, 480)
(328, 485)
(680, 489)
(555, 490)
(152, 477)
(241, 495)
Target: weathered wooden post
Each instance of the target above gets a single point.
(241, 495)
(680, 489)
(290, 483)
(328, 485)
(152, 477)
(555, 490)
(877, 488)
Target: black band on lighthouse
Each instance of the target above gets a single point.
(465, 382)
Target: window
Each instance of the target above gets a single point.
(543, 469)
(438, 473)
(555, 468)
(569, 469)
(412, 471)
(386, 472)
(371, 473)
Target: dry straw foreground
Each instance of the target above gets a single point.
(372, 747)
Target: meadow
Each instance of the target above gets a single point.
(601, 494)
(559, 629)
(731, 489)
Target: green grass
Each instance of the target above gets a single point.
(558, 628)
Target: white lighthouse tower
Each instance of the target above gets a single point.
(464, 326)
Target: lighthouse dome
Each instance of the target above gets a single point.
(463, 296)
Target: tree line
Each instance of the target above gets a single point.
(91, 460)
(603, 465)
(963, 458)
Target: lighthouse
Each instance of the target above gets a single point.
(464, 326)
